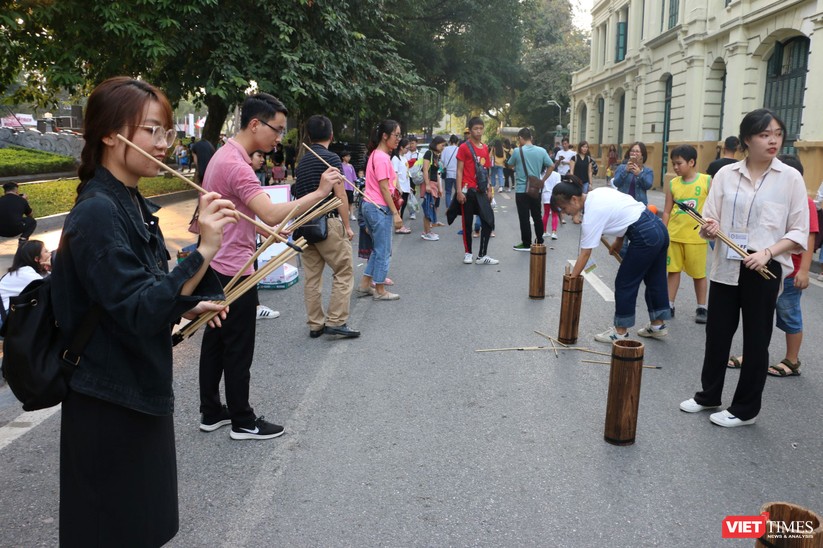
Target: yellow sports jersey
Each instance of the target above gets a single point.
(681, 226)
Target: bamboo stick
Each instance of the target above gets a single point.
(363, 194)
(262, 226)
(521, 348)
(609, 247)
(609, 363)
(249, 282)
(266, 244)
(765, 272)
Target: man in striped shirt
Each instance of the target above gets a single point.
(336, 250)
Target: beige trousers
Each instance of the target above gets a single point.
(336, 252)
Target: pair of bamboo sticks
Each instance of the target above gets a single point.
(764, 271)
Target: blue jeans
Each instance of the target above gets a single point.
(380, 228)
(497, 176)
(450, 184)
(645, 261)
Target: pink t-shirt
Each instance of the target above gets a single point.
(230, 174)
(379, 168)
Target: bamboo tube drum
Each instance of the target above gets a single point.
(570, 309)
(537, 272)
(790, 526)
(624, 392)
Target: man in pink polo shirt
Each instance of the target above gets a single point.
(228, 351)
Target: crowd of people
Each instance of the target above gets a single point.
(121, 401)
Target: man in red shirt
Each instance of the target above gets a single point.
(474, 192)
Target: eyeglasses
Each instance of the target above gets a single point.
(280, 132)
(159, 133)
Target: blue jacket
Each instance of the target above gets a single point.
(110, 256)
(643, 182)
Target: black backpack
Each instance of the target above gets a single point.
(36, 363)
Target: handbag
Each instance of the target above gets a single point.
(534, 186)
(314, 231)
(481, 174)
(36, 362)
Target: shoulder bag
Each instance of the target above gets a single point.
(534, 186)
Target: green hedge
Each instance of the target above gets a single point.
(25, 161)
(55, 197)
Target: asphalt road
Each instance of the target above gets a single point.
(408, 437)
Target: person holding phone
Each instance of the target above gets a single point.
(633, 177)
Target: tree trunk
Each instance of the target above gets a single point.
(218, 110)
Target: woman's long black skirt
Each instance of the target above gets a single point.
(118, 475)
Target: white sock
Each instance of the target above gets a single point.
(703, 306)
(671, 304)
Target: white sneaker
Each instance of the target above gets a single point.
(430, 236)
(724, 418)
(413, 216)
(554, 235)
(266, 313)
(485, 259)
(653, 332)
(691, 406)
(353, 217)
(610, 335)
(467, 258)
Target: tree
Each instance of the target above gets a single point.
(316, 55)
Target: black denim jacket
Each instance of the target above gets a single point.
(110, 256)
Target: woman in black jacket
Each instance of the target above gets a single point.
(118, 471)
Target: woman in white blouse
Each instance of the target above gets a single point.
(760, 203)
(31, 262)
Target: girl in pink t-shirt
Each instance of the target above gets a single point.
(378, 210)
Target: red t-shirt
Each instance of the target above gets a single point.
(465, 155)
(813, 227)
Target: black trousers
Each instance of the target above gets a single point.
(528, 206)
(468, 210)
(23, 228)
(405, 197)
(227, 352)
(754, 298)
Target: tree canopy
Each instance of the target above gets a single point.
(349, 59)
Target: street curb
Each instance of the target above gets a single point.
(53, 222)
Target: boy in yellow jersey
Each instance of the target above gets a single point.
(687, 250)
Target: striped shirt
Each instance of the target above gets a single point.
(310, 170)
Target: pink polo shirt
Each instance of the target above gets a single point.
(230, 174)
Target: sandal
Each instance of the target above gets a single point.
(364, 292)
(778, 371)
(404, 230)
(735, 362)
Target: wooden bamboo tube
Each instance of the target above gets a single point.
(261, 249)
(605, 242)
(363, 194)
(624, 392)
(262, 226)
(537, 272)
(609, 363)
(570, 309)
(790, 526)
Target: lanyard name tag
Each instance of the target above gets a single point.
(742, 240)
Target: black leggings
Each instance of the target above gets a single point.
(405, 201)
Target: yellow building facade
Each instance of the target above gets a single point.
(670, 72)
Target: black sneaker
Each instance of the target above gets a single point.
(702, 315)
(261, 430)
(342, 331)
(210, 423)
(672, 309)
